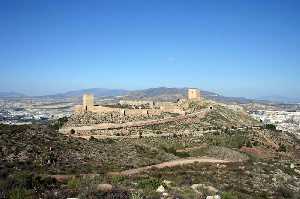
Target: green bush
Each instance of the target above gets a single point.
(136, 195)
(19, 193)
(72, 131)
(173, 151)
(270, 127)
(87, 186)
(151, 183)
(58, 123)
(73, 183)
(117, 179)
(249, 144)
(282, 148)
(228, 195)
(236, 140)
(283, 192)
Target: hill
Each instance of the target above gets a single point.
(11, 95)
(98, 92)
(37, 161)
(156, 94)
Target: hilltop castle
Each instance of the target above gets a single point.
(126, 107)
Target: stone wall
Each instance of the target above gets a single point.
(170, 107)
(136, 102)
(130, 112)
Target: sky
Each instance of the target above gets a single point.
(247, 48)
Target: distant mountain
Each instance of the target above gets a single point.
(98, 92)
(279, 99)
(156, 94)
(172, 94)
(11, 95)
(160, 93)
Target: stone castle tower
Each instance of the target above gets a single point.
(88, 102)
(194, 94)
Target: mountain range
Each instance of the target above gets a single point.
(279, 99)
(11, 95)
(160, 93)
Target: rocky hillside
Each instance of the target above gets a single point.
(38, 162)
(44, 147)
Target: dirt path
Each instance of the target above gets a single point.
(193, 148)
(130, 172)
(172, 163)
(102, 136)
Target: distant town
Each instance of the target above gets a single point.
(27, 111)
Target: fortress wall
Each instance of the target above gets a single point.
(130, 112)
(136, 102)
(134, 112)
(103, 109)
(78, 108)
(171, 108)
(144, 112)
(96, 109)
(155, 112)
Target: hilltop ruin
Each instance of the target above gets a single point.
(137, 107)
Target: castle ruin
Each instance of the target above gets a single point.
(135, 108)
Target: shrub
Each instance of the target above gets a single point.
(73, 183)
(72, 131)
(282, 148)
(58, 123)
(136, 195)
(228, 195)
(18, 193)
(117, 179)
(173, 151)
(270, 127)
(151, 183)
(249, 144)
(87, 186)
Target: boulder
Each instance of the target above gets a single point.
(213, 197)
(167, 182)
(292, 166)
(160, 189)
(210, 189)
(104, 187)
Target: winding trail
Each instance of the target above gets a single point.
(131, 172)
(172, 163)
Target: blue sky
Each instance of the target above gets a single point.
(247, 48)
